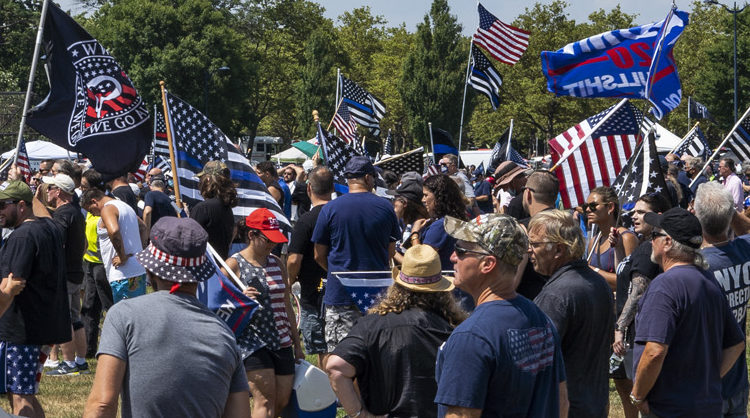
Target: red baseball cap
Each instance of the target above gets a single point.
(263, 220)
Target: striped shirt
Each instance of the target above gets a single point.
(277, 288)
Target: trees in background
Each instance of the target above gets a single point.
(283, 56)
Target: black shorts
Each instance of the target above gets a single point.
(281, 361)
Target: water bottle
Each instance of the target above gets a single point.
(614, 362)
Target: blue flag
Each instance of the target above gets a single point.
(228, 302)
(365, 288)
(93, 107)
(617, 64)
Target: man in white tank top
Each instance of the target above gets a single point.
(121, 235)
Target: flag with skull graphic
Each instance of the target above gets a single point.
(93, 107)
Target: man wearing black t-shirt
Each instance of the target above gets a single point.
(302, 266)
(60, 195)
(39, 314)
(122, 191)
(157, 203)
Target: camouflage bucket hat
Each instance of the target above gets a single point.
(500, 235)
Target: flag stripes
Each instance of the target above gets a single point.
(483, 77)
(503, 42)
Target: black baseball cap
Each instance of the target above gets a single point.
(680, 224)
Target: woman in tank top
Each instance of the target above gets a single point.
(602, 209)
(270, 343)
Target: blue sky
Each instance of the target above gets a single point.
(413, 11)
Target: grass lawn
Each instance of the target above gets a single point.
(65, 396)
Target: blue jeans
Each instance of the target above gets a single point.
(736, 406)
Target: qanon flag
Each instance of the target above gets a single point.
(618, 64)
(92, 107)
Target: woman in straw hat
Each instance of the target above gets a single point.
(392, 350)
(270, 343)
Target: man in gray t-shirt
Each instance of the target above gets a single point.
(166, 352)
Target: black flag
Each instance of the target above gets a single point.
(92, 107)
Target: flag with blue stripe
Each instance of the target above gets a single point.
(483, 77)
(739, 140)
(197, 141)
(617, 63)
(694, 144)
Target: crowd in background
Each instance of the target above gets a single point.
(544, 307)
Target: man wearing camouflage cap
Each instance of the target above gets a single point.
(506, 357)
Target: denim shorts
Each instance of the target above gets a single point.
(313, 326)
(128, 288)
(339, 320)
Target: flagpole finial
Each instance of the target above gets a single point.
(161, 83)
(316, 117)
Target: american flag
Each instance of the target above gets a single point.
(22, 162)
(739, 139)
(388, 148)
(431, 170)
(337, 153)
(641, 175)
(602, 155)
(365, 289)
(345, 126)
(694, 144)
(197, 141)
(402, 163)
(503, 42)
(161, 145)
(140, 174)
(365, 108)
(483, 77)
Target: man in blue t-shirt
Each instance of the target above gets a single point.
(686, 338)
(505, 359)
(714, 208)
(355, 232)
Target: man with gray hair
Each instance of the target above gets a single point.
(684, 321)
(505, 359)
(693, 166)
(714, 209)
(579, 302)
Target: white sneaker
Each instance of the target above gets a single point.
(51, 364)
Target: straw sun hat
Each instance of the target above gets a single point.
(420, 271)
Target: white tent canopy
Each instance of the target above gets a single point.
(666, 141)
(42, 150)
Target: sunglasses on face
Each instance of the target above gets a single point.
(461, 252)
(590, 207)
(655, 235)
(5, 203)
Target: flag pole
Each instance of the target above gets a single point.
(729, 135)
(690, 98)
(153, 140)
(570, 151)
(334, 114)
(679, 144)
(338, 82)
(223, 264)
(432, 142)
(168, 125)
(463, 105)
(510, 135)
(32, 73)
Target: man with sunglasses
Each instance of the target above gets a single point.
(505, 359)
(686, 337)
(579, 302)
(38, 316)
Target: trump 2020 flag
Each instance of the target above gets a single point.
(93, 107)
(617, 64)
(222, 297)
(365, 288)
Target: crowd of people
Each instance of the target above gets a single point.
(502, 303)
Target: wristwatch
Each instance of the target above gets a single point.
(635, 401)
